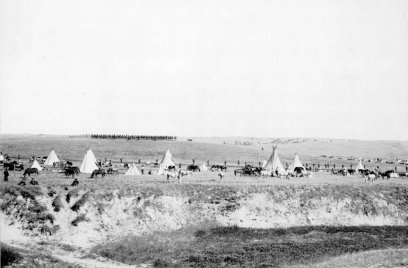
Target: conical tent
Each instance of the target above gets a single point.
(296, 164)
(359, 166)
(51, 159)
(165, 163)
(88, 163)
(133, 171)
(36, 165)
(264, 163)
(1, 157)
(203, 167)
(274, 164)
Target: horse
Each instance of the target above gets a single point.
(388, 174)
(30, 171)
(194, 168)
(238, 171)
(218, 168)
(10, 165)
(183, 172)
(97, 172)
(370, 177)
(173, 175)
(351, 171)
(72, 171)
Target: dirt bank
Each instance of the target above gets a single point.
(81, 218)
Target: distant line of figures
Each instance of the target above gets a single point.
(132, 137)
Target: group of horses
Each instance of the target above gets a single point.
(249, 170)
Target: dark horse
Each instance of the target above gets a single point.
(13, 165)
(96, 172)
(72, 171)
(30, 171)
(194, 168)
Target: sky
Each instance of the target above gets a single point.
(332, 69)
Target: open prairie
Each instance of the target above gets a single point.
(202, 221)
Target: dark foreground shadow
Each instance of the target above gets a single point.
(244, 247)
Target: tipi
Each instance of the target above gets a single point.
(133, 171)
(359, 166)
(274, 164)
(51, 159)
(203, 167)
(165, 163)
(296, 164)
(264, 163)
(36, 165)
(88, 163)
(1, 157)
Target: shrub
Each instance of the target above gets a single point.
(71, 194)
(78, 204)
(57, 204)
(79, 219)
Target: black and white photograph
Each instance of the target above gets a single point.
(192, 133)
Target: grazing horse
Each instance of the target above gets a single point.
(239, 171)
(183, 172)
(97, 172)
(10, 165)
(370, 177)
(194, 168)
(30, 171)
(72, 171)
(173, 175)
(218, 168)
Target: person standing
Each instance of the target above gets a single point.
(6, 174)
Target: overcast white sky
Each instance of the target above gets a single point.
(268, 68)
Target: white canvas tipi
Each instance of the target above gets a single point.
(274, 164)
(165, 163)
(296, 164)
(203, 167)
(88, 163)
(36, 165)
(133, 171)
(359, 166)
(264, 163)
(51, 159)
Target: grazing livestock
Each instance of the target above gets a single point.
(183, 172)
(13, 165)
(172, 175)
(218, 168)
(72, 171)
(30, 171)
(194, 168)
(97, 172)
